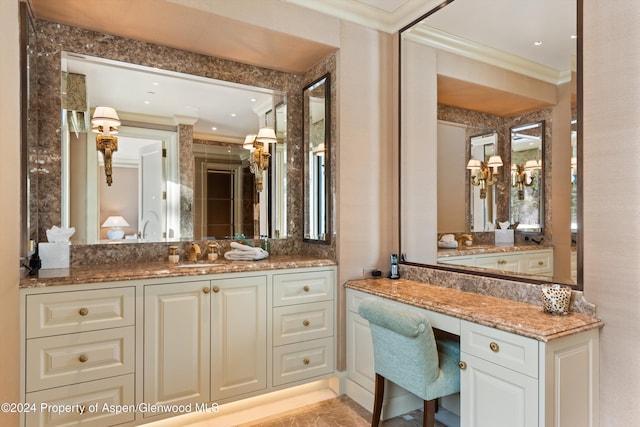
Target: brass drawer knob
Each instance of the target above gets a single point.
(462, 365)
(306, 323)
(83, 311)
(216, 289)
(306, 361)
(502, 261)
(83, 358)
(494, 347)
(205, 290)
(540, 262)
(306, 288)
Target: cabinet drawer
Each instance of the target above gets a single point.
(68, 359)
(502, 348)
(79, 311)
(302, 322)
(297, 288)
(295, 362)
(84, 404)
(539, 262)
(511, 262)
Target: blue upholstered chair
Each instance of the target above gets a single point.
(407, 353)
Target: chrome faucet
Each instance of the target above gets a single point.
(194, 252)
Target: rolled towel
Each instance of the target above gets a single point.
(241, 247)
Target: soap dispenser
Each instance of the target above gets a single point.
(174, 258)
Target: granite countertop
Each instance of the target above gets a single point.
(516, 317)
(488, 249)
(155, 270)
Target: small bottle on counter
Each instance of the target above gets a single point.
(174, 258)
(266, 245)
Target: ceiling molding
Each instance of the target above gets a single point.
(482, 53)
(369, 15)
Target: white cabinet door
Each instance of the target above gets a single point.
(360, 351)
(238, 336)
(176, 343)
(493, 396)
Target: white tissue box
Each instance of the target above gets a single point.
(54, 255)
(504, 236)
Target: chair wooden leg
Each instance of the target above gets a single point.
(377, 400)
(429, 413)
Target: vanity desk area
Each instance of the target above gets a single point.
(519, 365)
(152, 338)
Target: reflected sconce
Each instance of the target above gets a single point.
(115, 223)
(105, 122)
(574, 170)
(259, 158)
(524, 175)
(484, 175)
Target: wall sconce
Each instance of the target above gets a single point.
(524, 175)
(115, 222)
(484, 175)
(105, 122)
(259, 158)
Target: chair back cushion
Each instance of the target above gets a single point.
(404, 347)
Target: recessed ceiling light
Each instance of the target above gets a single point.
(538, 43)
(253, 100)
(156, 84)
(233, 114)
(214, 128)
(147, 102)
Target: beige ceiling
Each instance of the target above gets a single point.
(169, 23)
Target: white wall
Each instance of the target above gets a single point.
(365, 153)
(611, 190)
(10, 202)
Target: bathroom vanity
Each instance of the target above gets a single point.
(154, 339)
(515, 259)
(519, 365)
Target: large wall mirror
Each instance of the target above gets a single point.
(495, 99)
(187, 164)
(316, 146)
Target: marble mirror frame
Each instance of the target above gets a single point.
(404, 208)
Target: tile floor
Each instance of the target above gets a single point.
(340, 411)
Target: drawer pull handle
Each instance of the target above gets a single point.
(83, 358)
(462, 365)
(306, 361)
(540, 262)
(502, 261)
(305, 288)
(83, 311)
(306, 323)
(216, 289)
(494, 347)
(205, 290)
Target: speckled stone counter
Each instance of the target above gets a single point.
(139, 271)
(488, 249)
(510, 316)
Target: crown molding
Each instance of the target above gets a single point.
(469, 49)
(368, 15)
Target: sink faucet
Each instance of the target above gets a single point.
(463, 238)
(194, 252)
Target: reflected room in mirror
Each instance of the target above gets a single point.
(461, 83)
(179, 167)
(316, 161)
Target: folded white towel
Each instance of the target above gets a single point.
(448, 238)
(245, 253)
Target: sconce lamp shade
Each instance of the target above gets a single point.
(474, 164)
(533, 164)
(105, 117)
(115, 222)
(319, 150)
(494, 161)
(266, 136)
(248, 142)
